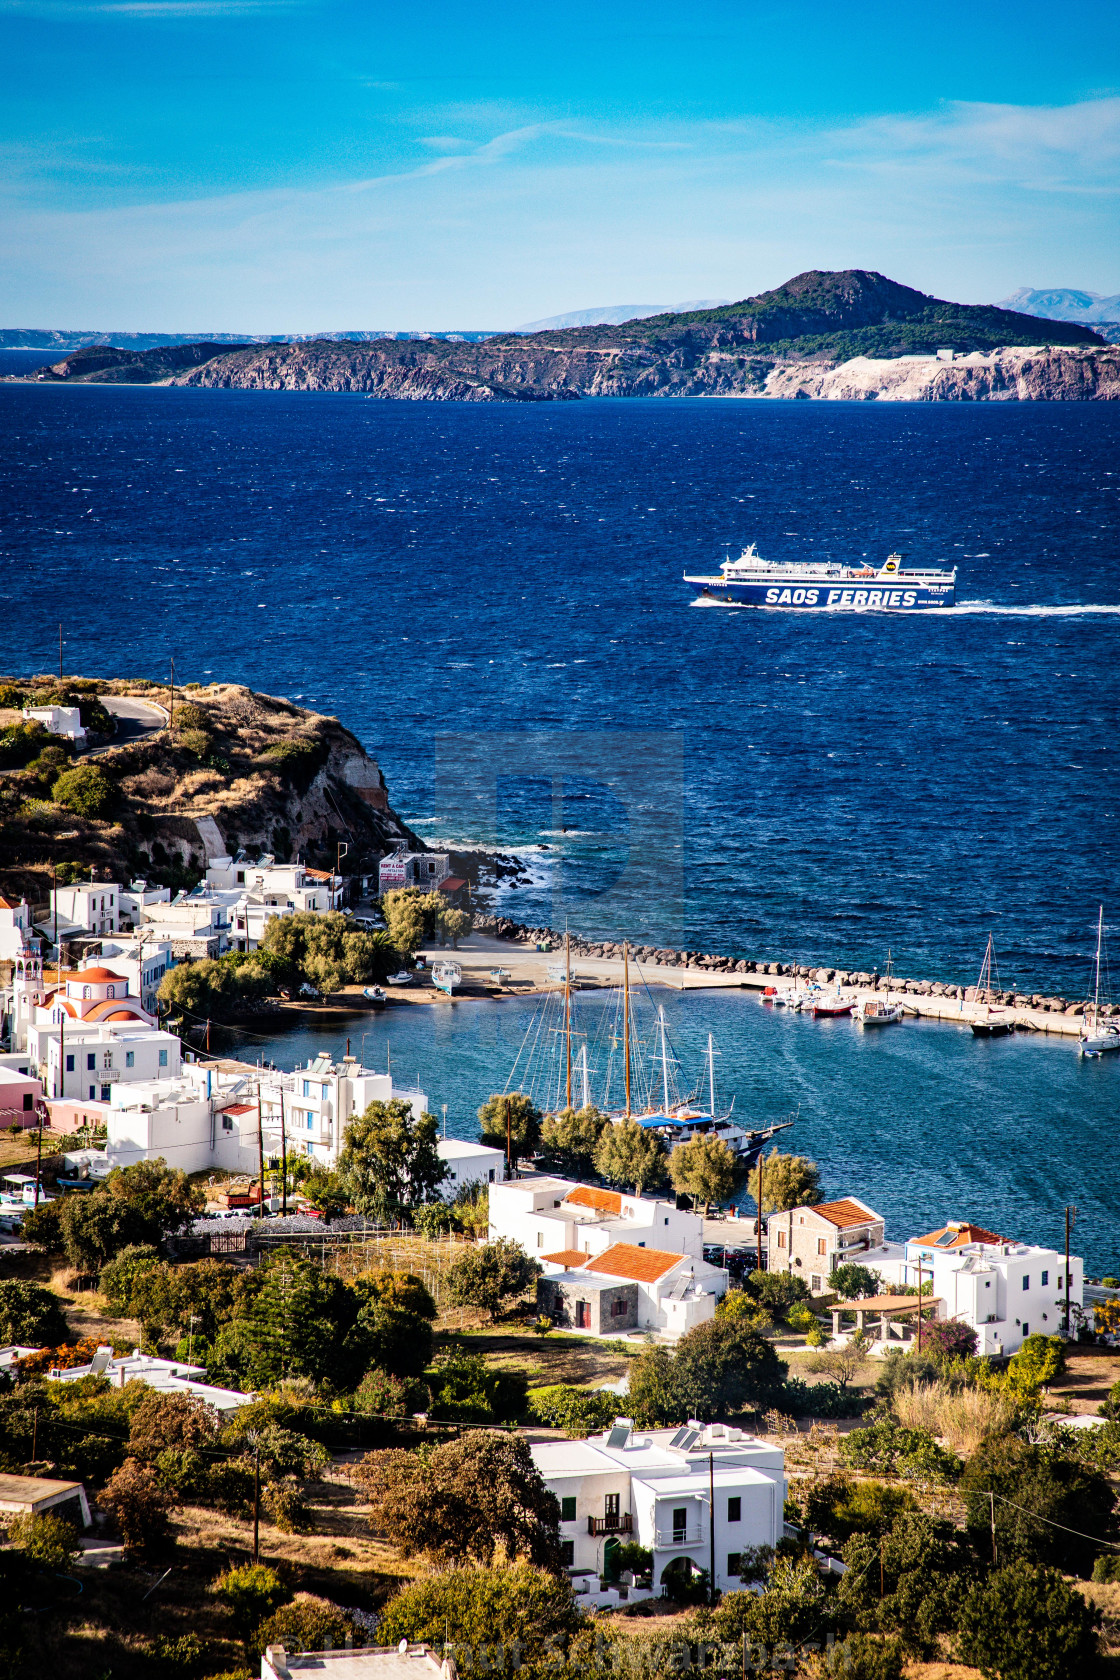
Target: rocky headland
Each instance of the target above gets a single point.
(844, 336)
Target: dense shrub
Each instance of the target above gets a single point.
(306, 1624)
(890, 1450)
(139, 1504)
(30, 1315)
(47, 1540)
(1044, 1504)
(577, 1411)
(1027, 1623)
(85, 790)
(252, 1592)
(499, 1621)
(823, 1399)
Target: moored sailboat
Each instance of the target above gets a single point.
(990, 1023)
(1097, 1038)
(876, 1011)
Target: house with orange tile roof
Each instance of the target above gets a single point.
(629, 1288)
(1003, 1290)
(546, 1215)
(812, 1241)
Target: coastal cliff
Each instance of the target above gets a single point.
(849, 335)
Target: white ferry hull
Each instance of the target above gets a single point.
(812, 594)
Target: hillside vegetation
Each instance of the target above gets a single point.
(271, 775)
(817, 318)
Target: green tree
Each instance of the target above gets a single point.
(854, 1282)
(308, 1623)
(402, 1290)
(629, 1154)
(175, 1422)
(703, 1168)
(119, 1275)
(139, 1505)
(491, 1276)
(1026, 1623)
(397, 1341)
(788, 1181)
(389, 1159)
(722, 1368)
(465, 1389)
(85, 790)
(469, 1500)
(579, 1412)
(1039, 1361)
(909, 1581)
(744, 1309)
(404, 918)
(381, 1395)
(570, 1139)
(512, 1109)
(838, 1506)
(325, 1192)
(502, 1621)
(252, 1592)
(456, 925)
(777, 1291)
(30, 1315)
(303, 1323)
(652, 1398)
(792, 1611)
(860, 1657)
(47, 1540)
(1036, 1489)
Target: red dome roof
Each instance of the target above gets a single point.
(122, 1015)
(98, 974)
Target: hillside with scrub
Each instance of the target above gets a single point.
(270, 776)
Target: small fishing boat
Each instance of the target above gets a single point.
(989, 1023)
(831, 1003)
(403, 977)
(498, 975)
(446, 975)
(876, 1011)
(1098, 1037)
(374, 995)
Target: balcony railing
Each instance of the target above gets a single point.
(620, 1522)
(691, 1535)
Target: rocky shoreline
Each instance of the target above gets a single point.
(503, 927)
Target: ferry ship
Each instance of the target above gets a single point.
(821, 586)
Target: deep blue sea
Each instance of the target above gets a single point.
(491, 597)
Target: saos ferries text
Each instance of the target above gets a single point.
(751, 581)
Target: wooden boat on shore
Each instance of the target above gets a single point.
(446, 975)
(374, 996)
(832, 1004)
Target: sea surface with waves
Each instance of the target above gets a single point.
(491, 597)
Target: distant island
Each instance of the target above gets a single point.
(844, 334)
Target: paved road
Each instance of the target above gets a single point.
(136, 719)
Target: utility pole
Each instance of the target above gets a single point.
(62, 1053)
(758, 1222)
(260, 1152)
(919, 1306)
(283, 1154)
(256, 1504)
(190, 1337)
(38, 1158)
(1071, 1216)
(34, 1434)
(712, 1527)
(992, 1505)
(509, 1143)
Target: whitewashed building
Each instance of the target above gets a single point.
(142, 961)
(86, 907)
(550, 1215)
(1005, 1291)
(99, 1055)
(469, 1163)
(625, 1288)
(697, 1497)
(254, 893)
(64, 721)
(170, 1376)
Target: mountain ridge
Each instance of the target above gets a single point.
(818, 319)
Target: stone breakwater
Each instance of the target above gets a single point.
(758, 974)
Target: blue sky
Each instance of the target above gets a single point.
(293, 165)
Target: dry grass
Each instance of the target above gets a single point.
(961, 1419)
(940, 1671)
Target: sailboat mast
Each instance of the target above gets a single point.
(584, 1075)
(711, 1077)
(568, 1016)
(626, 1017)
(664, 1063)
(1097, 986)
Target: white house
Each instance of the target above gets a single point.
(170, 1376)
(367, 1662)
(175, 1119)
(100, 1054)
(255, 893)
(1005, 1291)
(656, 1487)
(139, 896)
(469, 1163)
(65, 721)
(625, 1288)
(15, 929)
(86, 906)
(192, 925)
(550, 1215)
(143, 962)
(316, 1102)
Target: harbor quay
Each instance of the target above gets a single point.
(501, 956)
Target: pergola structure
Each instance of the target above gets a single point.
(887, 1313)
